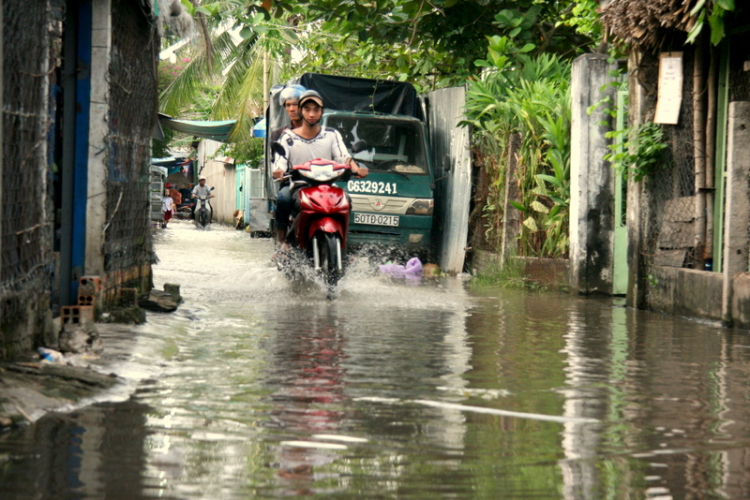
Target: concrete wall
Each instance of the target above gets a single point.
(736, 210)
(685, 292)
(592, 180)
(96, 203)
(26, 260)
(740, 300)
(450, 149)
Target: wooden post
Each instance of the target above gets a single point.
(713, 72)
(511, 215)
(699, 150)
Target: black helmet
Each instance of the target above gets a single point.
(310, 95)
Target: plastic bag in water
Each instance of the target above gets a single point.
(412, 272)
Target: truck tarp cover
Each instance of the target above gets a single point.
(360, 94)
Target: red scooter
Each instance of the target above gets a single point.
(321, 216)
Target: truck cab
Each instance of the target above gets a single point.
(392, 208)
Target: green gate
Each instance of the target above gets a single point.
(620, 278)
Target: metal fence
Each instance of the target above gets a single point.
(31, 36)
(128, 243)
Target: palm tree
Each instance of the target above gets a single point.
(238, 58)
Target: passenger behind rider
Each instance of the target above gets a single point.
(289, 99)
(201, 189)
(307, 142)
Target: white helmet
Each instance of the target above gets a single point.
(292, 92)
(202, 178)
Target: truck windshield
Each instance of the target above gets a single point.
(392, 145)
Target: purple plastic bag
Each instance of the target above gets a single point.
(413, 271)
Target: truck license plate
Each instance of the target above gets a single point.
(376, 219)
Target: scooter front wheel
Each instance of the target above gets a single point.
(202, 218)
(329, 255)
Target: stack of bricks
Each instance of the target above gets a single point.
(89, 289)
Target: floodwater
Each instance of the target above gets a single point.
(261, 388)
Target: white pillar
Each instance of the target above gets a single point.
(96, 205)
(592, 180)
(737, 203)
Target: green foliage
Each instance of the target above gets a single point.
(161, 149)
(711, 12)
(633, 152)
(224, 78)
(432, 44)
(490, 150)
(529, 95)
(584, 17)
(639, 157)
(248, 151)
(511, 274)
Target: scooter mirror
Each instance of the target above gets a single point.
(278, 149)
(359, 146)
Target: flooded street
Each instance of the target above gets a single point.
(261, 388)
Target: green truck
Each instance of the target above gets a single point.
(383, 126)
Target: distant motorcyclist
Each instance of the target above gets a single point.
(307, 142)
(202, 189)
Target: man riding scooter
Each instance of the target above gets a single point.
(202, 192)
(304, 143)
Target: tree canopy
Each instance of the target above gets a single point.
(436, 41)
(430, 43)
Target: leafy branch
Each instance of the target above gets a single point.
(640, 157)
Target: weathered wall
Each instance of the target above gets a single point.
(452, 161)
(31, 43)
(737, 203)
(740, 300)
(685, 292)
(125, 169)
(641, 102)
(122, 113)
(592, 180)
(96, 185)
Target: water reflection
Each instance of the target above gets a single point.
(308, 383)
(258, 389)
(96, 453)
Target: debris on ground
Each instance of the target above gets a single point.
(80, 337)
(158, 301)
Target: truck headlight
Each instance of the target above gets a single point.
(421, 206)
